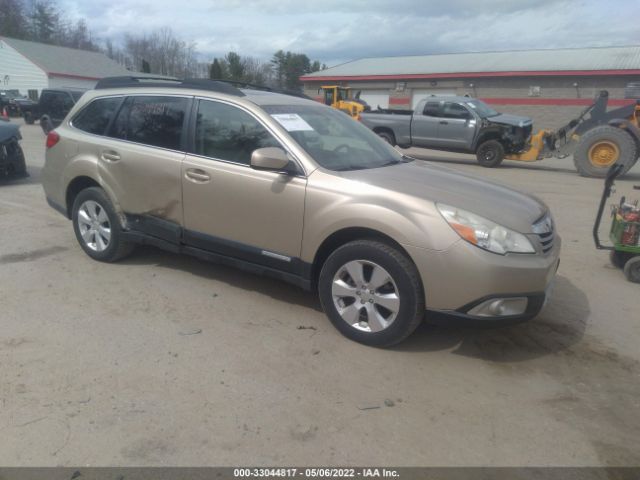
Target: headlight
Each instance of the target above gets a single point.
(484, 233)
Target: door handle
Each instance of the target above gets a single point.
(197, 175)
(110, 156)
(444, 122)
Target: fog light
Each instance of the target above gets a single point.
(500, 307)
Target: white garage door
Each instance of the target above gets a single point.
(376, 98)
(421, 94)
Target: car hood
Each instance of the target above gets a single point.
(507, 119)
(500, 204)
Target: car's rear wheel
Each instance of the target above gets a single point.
(372, 293)
(490, 153)
(97, 228)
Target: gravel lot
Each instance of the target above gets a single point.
(165, 360)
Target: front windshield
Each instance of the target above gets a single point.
(333, 139)
(482, 108)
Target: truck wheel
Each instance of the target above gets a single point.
(490, 153)
(632, 269)
(372, 293)
(387, 137)
(28, 118)
(601, 147)
(45, 123)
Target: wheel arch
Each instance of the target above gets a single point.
(486, 136)
(344, 236)
(75, 187)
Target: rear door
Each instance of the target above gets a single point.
(456, 127)
(231, 208)
(140, 161)
(424, 124)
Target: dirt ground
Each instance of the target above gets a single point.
(166, 360)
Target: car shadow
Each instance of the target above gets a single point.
(274, 288)
(559, 326)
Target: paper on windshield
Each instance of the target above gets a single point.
(292, 122)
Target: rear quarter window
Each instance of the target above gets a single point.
(95, 117)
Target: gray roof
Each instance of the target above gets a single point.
(67, 61)
(568, 59)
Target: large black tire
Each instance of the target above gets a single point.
(601, 147)
(45, 123)
(632, 269)
(387, 137)
(490, 153)
(405, 283)
(19, 165)
(28, 118)
(116, 247)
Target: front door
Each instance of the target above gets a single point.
(231, 208)
(456, 127)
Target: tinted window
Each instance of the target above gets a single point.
(95, 117)
(155, 121)
(455, 110)
(56, 104)
(432, 109)
(228, 133)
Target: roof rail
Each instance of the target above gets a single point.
(253, 86)
(198, 83)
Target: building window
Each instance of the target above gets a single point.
(535, 91)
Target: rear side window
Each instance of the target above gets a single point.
(154, 120)
(432, 109)
(228, 133)
(95, 117)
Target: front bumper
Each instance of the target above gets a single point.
(464, 276)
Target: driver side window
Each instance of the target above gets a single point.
(455, 110)
(227, 133)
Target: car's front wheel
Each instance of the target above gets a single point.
(97, 228)
(372, 293)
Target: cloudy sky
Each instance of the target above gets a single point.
(335, 31)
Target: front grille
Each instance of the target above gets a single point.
(544, 228)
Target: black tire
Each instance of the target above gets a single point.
(404, 275)
(388, 137)
(618, 259)
(117, 247)
(602, 136)
(28, 118)
(18, 163)
(45, 124)
(490, 153)
(632, 269)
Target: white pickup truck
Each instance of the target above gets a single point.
(459, 124)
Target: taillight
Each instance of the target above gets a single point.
(52, 139)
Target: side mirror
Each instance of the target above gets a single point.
(272, 159)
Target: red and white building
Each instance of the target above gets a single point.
(551, 86)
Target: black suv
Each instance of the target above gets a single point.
(53, 106)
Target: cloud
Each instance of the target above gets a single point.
(335, 31)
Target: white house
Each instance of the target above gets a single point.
(29, 67)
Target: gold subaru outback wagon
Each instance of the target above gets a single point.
(283, 186)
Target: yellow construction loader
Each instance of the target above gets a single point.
(342, 98)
